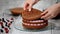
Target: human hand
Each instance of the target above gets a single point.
(29, 3)
(51, 12)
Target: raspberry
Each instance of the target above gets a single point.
(12, 19)
(6, 30)
(1, 23)
(9, 24)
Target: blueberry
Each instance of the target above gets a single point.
(1, 30)
(0, 19)
(6, 24)
(11, 22)
(3, 20)
(9, 27)
(2, 26)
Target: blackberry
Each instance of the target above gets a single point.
(0, 19)
(3, 20)
(2, 26)
(9, 27)
(6, 24)
(11, 22)
(1, 30)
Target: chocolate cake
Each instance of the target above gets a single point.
(32, 19)
(16, 11)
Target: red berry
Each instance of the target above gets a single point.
(6, 30)
(12, 19)
(9, 24)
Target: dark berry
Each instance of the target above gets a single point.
(2, 26)
(9, 24)
(0, 19)
(1, 30)
(1, 23)
(3, 20)
(9, 27)
(12, 19)
(6, 24)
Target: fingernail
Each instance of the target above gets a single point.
(29, 9)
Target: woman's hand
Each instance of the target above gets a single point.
(51, 12)
(29, 3)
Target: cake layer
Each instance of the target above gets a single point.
(35, 21)
(17, 11)
(34, 26)
(31, 15)
(30, 24)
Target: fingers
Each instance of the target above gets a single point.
(30, 6)
(45, 16)
(25, 6)
(44, 12)
(48, 17)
